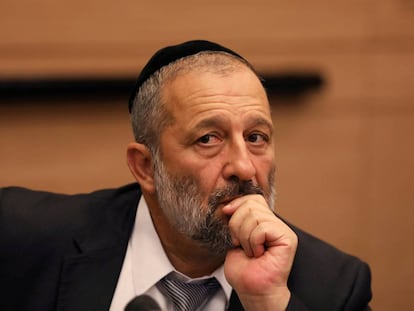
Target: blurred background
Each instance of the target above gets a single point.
(341, 84)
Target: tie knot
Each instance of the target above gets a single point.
(188, 296)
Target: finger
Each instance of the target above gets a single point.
(256, 235)
(244, 232)
(243, 222)
(258, 238)
(246, 211)
(231, 208)
(271, 234)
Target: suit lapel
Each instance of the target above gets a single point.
(89, 278)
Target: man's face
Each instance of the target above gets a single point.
(218, 147)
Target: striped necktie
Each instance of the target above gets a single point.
(187, 296)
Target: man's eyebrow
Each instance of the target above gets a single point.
(217, 121)
(208, 123)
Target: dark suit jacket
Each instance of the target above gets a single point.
(65, 252)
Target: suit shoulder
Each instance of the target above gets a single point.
(318, 252)
(327, 278)
(25, 211)
(19, 198)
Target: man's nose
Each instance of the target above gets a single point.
(239, 162)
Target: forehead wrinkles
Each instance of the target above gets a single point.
(215, 112)
(198, 92)
(236, 104)
(205, 97)
(217, 64)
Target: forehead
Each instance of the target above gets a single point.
(202, 91)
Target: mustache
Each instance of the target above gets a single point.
(231, 191)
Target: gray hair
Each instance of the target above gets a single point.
(149, 116)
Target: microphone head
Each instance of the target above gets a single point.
(143, 303)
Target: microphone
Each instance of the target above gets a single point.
(142, 303)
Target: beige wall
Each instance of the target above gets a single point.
(345, 155)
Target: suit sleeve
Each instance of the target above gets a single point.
(324, 278)
(360, 295)
(359, 298)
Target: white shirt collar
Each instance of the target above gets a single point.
(150, 263)
(145, 263)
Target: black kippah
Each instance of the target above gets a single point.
(172, 53)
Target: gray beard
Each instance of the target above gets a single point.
(181, 197)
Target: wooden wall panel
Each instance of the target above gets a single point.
(392, 19)
(390, 200)
(344, 76)
(89, 37)
(391, 77)
(320, 175)
(64, 146)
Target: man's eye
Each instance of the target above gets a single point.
(208, 139)
(257, 138)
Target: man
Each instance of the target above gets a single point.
(201, 222)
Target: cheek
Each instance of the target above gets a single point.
(264, 167)
(209, 177)
(206, 173)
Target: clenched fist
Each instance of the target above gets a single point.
(258, 268)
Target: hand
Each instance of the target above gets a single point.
(258, 269)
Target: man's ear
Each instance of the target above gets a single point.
(139, 161)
